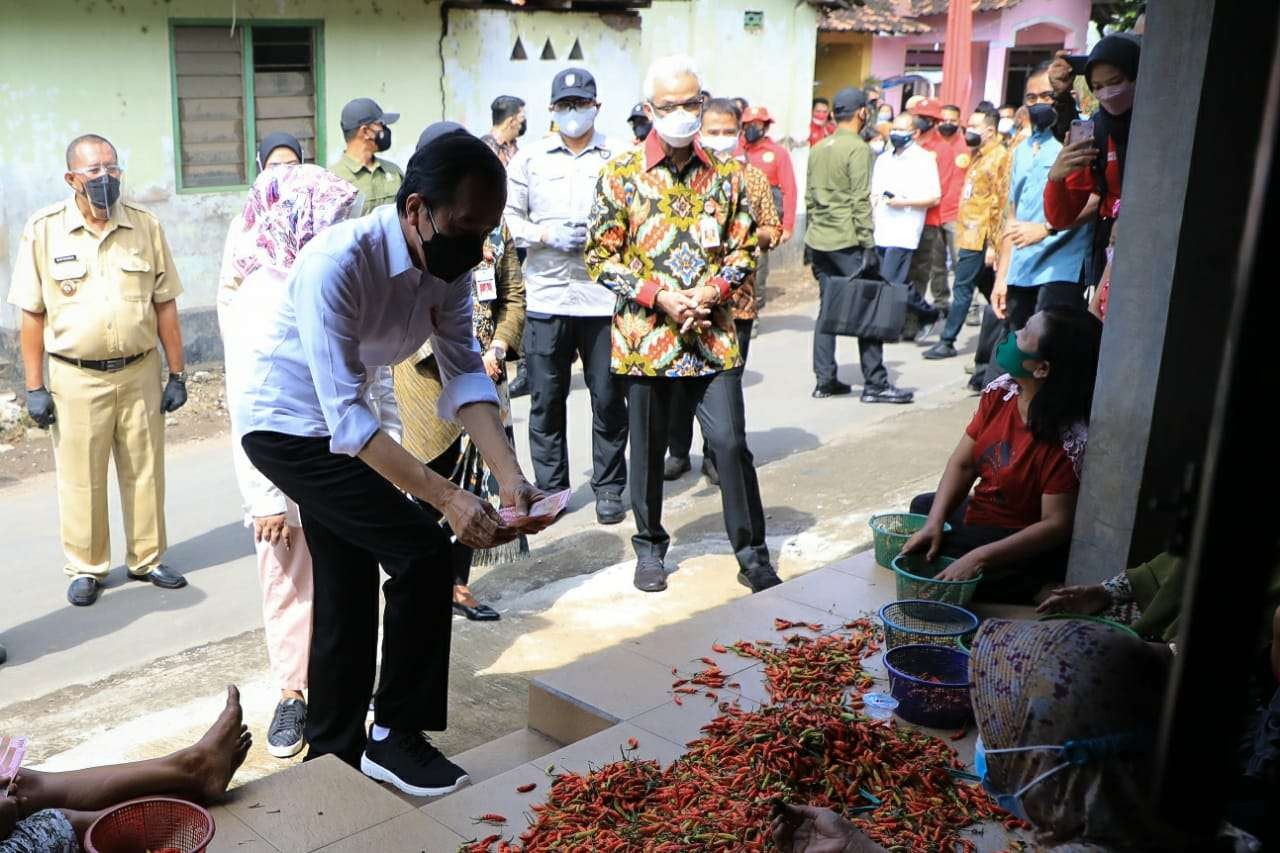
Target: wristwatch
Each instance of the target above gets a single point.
(180, 377)
(1049, 229)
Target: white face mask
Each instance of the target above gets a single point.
(1006, 126)
(575, 123)
(679, 128)
(719, 144)
(877, 145)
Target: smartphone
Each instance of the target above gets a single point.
(887, 194)
(1077, 62)
(1081, 129)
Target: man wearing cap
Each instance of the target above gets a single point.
(550, 189)
(367, 130)
(96, 284)
(772, 159)
(838, 201)
(640, 125)
(938, 241)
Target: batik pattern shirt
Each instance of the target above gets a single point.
(765, 214)
(656, 228)
(984, 198)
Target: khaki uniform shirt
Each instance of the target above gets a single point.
(97, 292)
(379, 184)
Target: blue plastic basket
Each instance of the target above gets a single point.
(916, 622)
(940, 704)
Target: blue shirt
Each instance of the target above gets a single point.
(357, 303)
(1056, 258)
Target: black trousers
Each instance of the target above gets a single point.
(895, 264)
(718, 403)
(838, 264)
(1022, 302)
(355, 521)
(680, 440)
(550, 344)
(1012, 584)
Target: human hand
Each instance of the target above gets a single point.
(174, 396)
(678, 305)
(806, 829)
(474, 520)
(1085, 600)
(1060, 74)
(786, 235)
(1073, 157)
(40, 407)
(521, 495)
(927, 540)
(8, 810)
(492, 364)
(704, 299)
(966, 568)
(766, 237)
(1026, 234)
(1000, 298)
(565, 237)
(272, 529)
(896, 202)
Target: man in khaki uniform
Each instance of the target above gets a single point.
(96, 284)
(367, 130)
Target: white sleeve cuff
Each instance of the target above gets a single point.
(463, 389)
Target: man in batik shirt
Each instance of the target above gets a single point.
(672, 236)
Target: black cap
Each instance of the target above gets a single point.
(638, 113)
(437, 130)
(847, 102)
(573, 83)
(364, 111)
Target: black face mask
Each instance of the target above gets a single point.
(641, 129)
(448, 257)
(754, 133)
(103, 192)
(948, 128)
(1042, 116)
(973, 140)
(923, 124)
(383, 140)
(524, 125)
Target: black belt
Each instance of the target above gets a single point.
(105, 365)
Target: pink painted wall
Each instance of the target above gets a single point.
(1050, 21)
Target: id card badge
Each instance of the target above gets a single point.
(486, 283)
(709, 233)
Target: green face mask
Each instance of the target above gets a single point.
(1011, 358)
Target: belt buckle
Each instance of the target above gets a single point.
(111, 365)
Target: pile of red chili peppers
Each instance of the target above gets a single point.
(806, 747)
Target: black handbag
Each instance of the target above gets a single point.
(863, 305)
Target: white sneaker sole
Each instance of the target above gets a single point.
(288, 751)
(382, 774)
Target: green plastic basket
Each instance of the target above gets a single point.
(891, 530)
(1049, 617)
(915, 577)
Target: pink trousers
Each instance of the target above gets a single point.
(285, 575)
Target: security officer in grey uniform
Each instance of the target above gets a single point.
(96, 284)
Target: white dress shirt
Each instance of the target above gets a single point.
(549, 185)
(356, 303)
(911, 175)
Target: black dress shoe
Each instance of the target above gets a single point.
(940, 350)
(675, 467)
(651, 575)
(479, 613)
(162, 576)
(83, 591)
(609, 508)
(4, 656)
(519, 386)
(709, 471)
(759, 579)
(887, 394)
(831, 389)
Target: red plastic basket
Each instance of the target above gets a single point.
(151, 824)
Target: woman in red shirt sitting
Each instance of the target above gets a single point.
(1024, 448)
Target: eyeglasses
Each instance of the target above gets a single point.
(692, 105)
(1034, 98)
(574, 104)
(98, 171)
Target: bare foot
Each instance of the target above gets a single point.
(215, 757)
(462, 595)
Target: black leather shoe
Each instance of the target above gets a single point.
(831, 389)
(4, 656)
(759, 579)
(83, 591)
(887, 394)
(163, 577)
(479, 613)
(651, 575)
(519, 386)
(975, 382)
(709, 471)
(675, 467)
(940, 350)
(609, 508)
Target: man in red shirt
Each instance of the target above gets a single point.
(938, 242)
(821, 125)
(772, 159)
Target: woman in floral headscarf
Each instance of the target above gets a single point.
(287, 206)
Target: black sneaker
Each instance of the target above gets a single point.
(831, 389)
(409, 761)
(285, 737)
(759, 579)
(651, 575)
(940, 350)
(887, 394)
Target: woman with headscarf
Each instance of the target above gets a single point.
(1067, 713)
(497, 294)
(1094, 168)
(287, 206)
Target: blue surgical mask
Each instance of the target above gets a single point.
(900, 139)
(575, 123)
